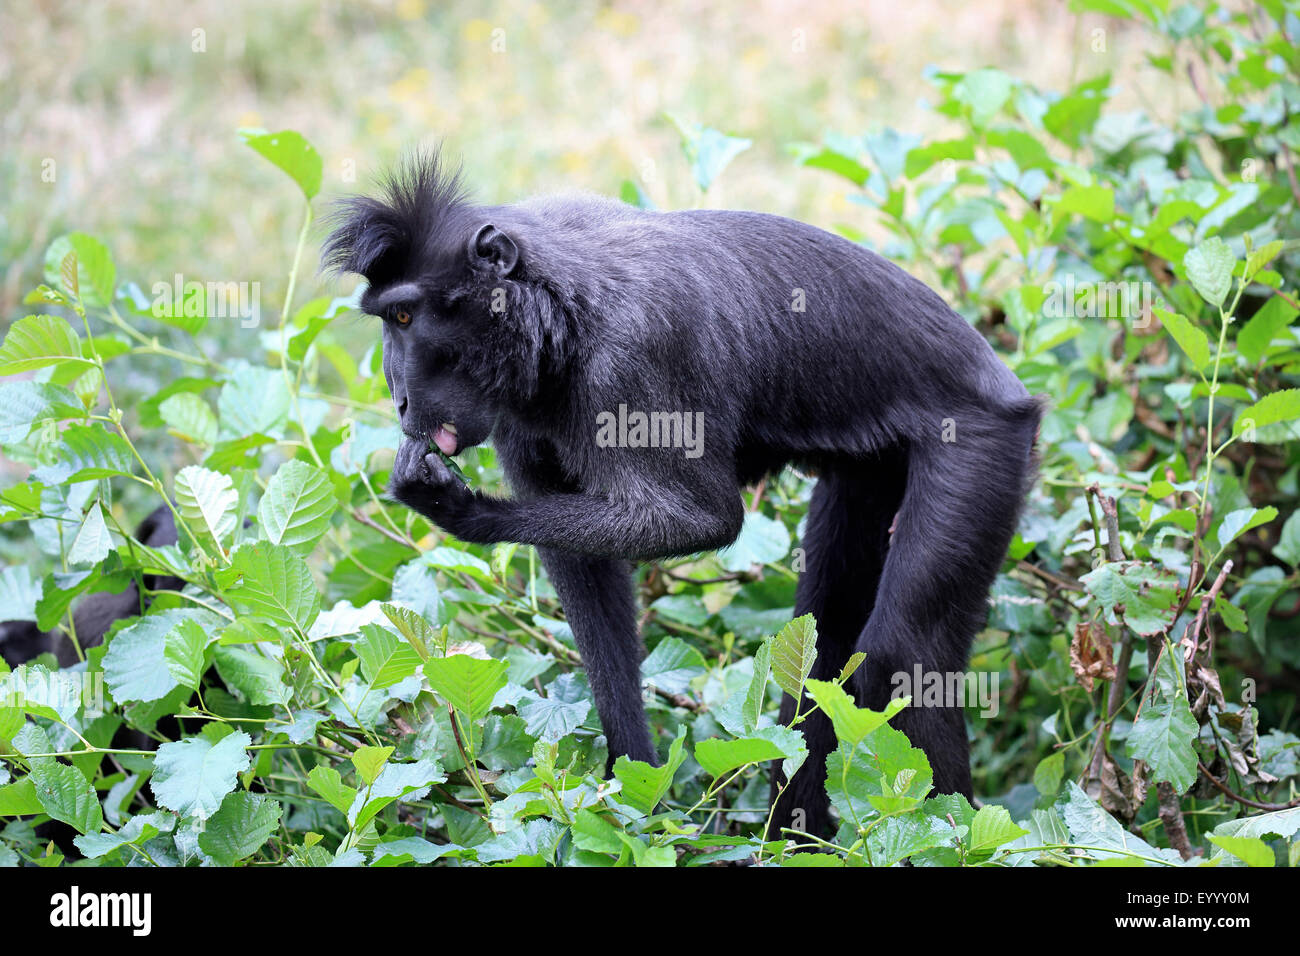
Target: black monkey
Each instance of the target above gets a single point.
(535, 322)
(22, 640)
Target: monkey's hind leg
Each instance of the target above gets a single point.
(845, 544)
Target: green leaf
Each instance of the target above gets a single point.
(258, 678)
(67, 796)
(136, 665)
(1261, 257)
(992, 828)
(793, 651)
(1283, 406)
(93, 542)
(244, 822)
(1263, 327)
(708, 150)
(274, 582)
(207, 500)
(192, 776)
(756, 695)
(189, 417)
(19, 594)
(1049, 773)
(292, 153)
(1092, 202)
(467, 683)
(1192, 340)
(1237, 523)
(672, 665)
(25, 403)
(95, 278)
(1141, 594)
(1209, 269)
(369, 761)
(852, 723)
(385, 658)
(297, 506)
(85, 452)
(1250, 850)
(762, 540)
(327, 782)
(183, 649)
(1165, 731)
(985, 92)
(591, 831)
(19, 799)
(1287, 547)
(644, 785)
(718, 757)
(552, 717)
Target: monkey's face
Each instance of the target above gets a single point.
(423, 347)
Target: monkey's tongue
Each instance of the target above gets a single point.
(445, 441)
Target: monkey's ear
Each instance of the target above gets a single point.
(495, 249)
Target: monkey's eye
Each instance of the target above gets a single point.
(402, 317)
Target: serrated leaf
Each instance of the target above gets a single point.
(183, 648)
(208, 501)
(329, 784)
(794, 649)
(385, 658)
(1142, 594)
(466, 683)
(136, 667)
(193, 776)
(257, 677)
(1237, 523)
(762, 540)
(672, 665)
(1165, 730)
(239, 828)
(852, 723)
(92, 542)
(86, 452)
(272, 581)
(66, 795)
(1192, 340)
(25, 403)
(81, 265)
(37, 341)
(290, 151)
(644, 785)
(190, 417)
(1261, 257)
(1250, 850)
(1209, 269)
(296, 509)
(369, 761)
(718, 757)
(1283, 406)
(992, 828)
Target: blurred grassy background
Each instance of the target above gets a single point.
(137, 105)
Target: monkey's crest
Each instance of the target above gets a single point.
(419, 200)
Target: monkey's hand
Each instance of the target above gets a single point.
(422, 481)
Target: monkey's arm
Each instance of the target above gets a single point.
(647, 523)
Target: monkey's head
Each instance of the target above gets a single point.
(466, 327)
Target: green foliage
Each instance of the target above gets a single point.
(349, 686)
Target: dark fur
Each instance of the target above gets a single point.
(692, 312)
